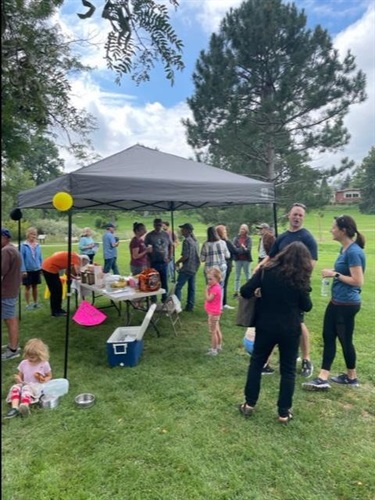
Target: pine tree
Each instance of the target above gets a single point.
(269, 91)
(365, 180)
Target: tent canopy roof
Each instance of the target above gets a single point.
(140, 178)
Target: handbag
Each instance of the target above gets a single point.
(246, 311)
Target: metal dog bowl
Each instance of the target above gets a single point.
(49, 401)
(84, 400)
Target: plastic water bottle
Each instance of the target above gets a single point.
(325, 287)
(56, 387)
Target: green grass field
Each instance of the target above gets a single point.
(169, 428)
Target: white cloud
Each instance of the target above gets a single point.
(360, 121)
(123, 121)
(209, 13)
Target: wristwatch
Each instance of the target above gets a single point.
(337, 275)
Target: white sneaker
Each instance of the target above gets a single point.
(228, 307)
(8, 354)
(212, 352)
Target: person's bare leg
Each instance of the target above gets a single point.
(27, 295)
(306, 367)
(35, 293)
(352, 374)
(12, 326)
(305, 342)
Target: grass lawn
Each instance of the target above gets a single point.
(169, 428)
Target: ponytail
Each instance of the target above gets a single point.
(360, 240)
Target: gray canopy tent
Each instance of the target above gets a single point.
(141, 178)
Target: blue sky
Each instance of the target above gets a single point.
(151, 113)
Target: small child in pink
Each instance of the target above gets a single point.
(33, 372)
(212, 307)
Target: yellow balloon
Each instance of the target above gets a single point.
(62, 201)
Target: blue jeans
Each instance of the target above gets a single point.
(162, 269)
(111, 264)
(182, 279)
(245, 265)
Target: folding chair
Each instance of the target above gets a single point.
(171, 308)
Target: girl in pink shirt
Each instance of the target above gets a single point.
(212, 307)
(33, 371)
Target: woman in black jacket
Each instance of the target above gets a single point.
(284, 290)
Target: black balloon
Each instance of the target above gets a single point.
(16, 214)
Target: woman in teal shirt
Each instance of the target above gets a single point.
(348, 278)
(87, 245)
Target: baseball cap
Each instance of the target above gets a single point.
(263, 225)
(187, 226)
(84, 258)
(110, 225)
(5, 232)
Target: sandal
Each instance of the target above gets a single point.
(288, 418)
(246, 410)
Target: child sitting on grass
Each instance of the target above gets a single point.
(33, 371)
(213, 305)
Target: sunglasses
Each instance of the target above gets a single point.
(301, 205)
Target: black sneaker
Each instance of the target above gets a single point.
(13, 412)
(307, 368)
(317, 384)
(267, 370)
(343, 379)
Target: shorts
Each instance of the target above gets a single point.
(32, 278)
(8, 308)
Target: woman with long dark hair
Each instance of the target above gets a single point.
(138, 249)
(348, 278)
(283, 286)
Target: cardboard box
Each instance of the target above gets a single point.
(123, 349)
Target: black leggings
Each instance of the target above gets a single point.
(339, 322)
(55, 288)
(264, 343)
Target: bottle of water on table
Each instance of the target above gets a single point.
(325, 287)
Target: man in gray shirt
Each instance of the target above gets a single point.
(162, 252)
(190, 263)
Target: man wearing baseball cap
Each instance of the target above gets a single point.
(190, 263)
(11, 278)
(110, 244)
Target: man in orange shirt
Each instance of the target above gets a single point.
(51, 267)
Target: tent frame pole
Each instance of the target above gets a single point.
(274, 208)
(69, 281)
